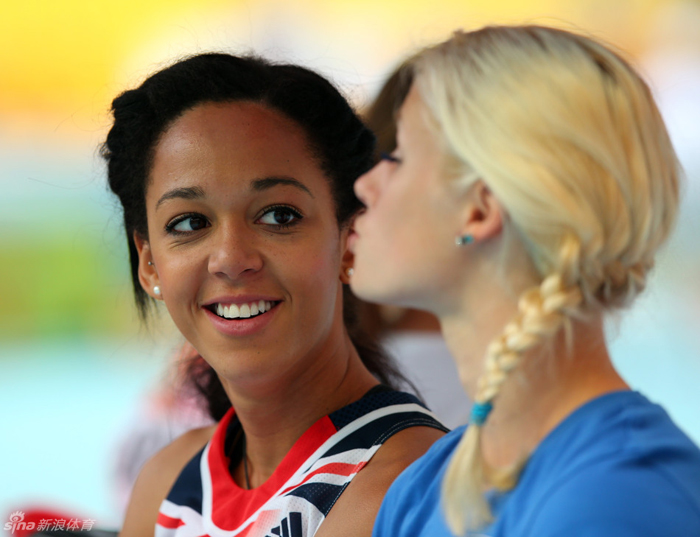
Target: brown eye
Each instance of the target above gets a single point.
(280, 216)
(187, 224)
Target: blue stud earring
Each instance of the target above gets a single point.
(463, 239)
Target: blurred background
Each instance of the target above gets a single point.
(75, 364)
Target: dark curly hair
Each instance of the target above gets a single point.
(338, 139)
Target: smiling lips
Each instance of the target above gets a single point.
(242, 311)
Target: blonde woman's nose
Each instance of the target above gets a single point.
(366, 186)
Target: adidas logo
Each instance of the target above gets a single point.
(289, 527)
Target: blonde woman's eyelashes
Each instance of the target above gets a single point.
(390, 157)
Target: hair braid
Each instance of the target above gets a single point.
(543, 311)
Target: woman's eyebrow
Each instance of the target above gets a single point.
(268, 182)
(188, 193)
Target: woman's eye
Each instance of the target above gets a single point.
(390, 158)
(280, 216)
(187, 224)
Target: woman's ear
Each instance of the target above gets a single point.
(482, 218)
(148, 273)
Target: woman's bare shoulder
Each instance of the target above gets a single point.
(355, 511)
(405, 447)
(156, 479)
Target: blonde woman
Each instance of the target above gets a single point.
(412, 337)
(532, 185)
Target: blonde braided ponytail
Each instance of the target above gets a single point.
(543, 312)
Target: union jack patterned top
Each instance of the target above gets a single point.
(206, 501)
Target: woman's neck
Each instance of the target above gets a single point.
(274, 415)
(547, 385)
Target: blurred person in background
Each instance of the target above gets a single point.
(412, 337)
(531, 187)
(170, 409)
(235, 177)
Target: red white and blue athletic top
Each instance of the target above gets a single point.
(294, 501)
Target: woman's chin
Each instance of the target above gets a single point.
(368, 287)
(364, 286)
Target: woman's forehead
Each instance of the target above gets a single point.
(239, 121)
(412, 118)
(237, 143)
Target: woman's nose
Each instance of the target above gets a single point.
(234, 252)
(367, 186)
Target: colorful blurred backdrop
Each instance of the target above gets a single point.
(76, 365)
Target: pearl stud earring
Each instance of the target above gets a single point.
(156, 290)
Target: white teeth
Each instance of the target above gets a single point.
(244, 311)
